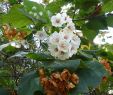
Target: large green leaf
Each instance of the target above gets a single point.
(29, 84)
(55, 6)
(90, 76)
(107, 6)
(3, 91)
(68, 64)
(28, 5)
(109, 19)
(15, 17)
(1, 63)
(40, 56)
(91, 29)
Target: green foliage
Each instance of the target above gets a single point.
(90, 19)
(16, 18)
(107, 6)
(91, 28)
(71, 65)
(29, 84)
(1, 63)
(55, 7)
(90, 76)
(40, 56)
(44, 18)
(109, 20)
(3, 91)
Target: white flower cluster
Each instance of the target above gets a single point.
(104, 37)
(64, 44)
(59, 19)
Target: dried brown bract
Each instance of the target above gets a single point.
(11, 34)
(59, 83)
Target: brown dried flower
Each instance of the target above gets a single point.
(59, 83)
(11, 34)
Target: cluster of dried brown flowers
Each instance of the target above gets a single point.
(59, 83)
(107, 66)
(11, 34)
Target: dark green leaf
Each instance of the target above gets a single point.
(90, 76)
(40, 56)
(39, 9)
(55, 6)
(1, 63)
(68, 64)
(109, 20)
(91, 29)
(29, 84)
(3, 91)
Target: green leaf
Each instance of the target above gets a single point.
(67, 64)
(44, 18)
(90, 76)
(107, 6)
(109, 20)
(10, 49)
(1, 63)
(16, 18)
(91, 29)
(55, 6)
(13, 1)
(3, 91)
(40, 56)
(29, 84)
(85, 55)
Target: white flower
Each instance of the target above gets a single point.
(76, 41)
(66, 35)
(68, 19)
(110, 92)
(54, 38)
(54, 50)
(41, 35)
(57, 20)
(63, 46)
(104, 37)
(70, 27)
(73, 49)
(19, 44)
(16, 44)
(63, 55)
(99, 40)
